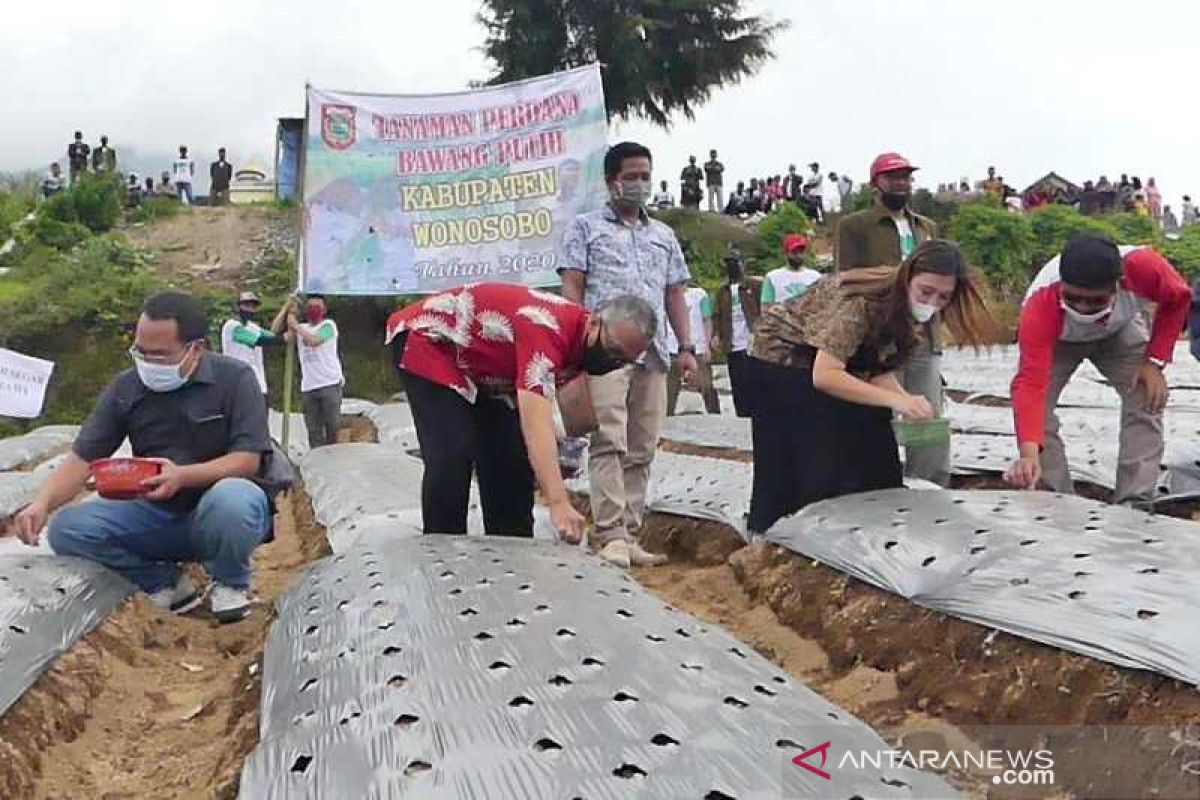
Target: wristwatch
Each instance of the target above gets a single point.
(1158, 362)
(687, 348)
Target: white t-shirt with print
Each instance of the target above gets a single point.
(182, 169)
(699, 306)
(784, 283)
(251, 356)
(320, 366)
(908, 242)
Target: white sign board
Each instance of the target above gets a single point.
(23, 382)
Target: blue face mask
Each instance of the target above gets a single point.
(159, 377)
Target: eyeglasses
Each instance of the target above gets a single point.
(137, 354)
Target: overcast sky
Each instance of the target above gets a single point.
(1028, 85)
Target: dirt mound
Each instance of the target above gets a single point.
(919, 676)
(149, 704)
(222, 246)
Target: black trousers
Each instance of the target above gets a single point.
(459, 438)
(739, 378)
(811, 446)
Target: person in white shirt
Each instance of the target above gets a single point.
(664, 199)
(244, 339)
(736, 311)
(700, 314)
(1189, 211)
(184, 169)
(53, 182)
(845, 187)
(814, 191)
(320, 371)
(833, 202)
(791, 281)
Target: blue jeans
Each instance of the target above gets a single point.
(184, 190)
(146, 542)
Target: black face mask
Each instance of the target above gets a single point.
(597, 361)
(247, 316)
(894, 201)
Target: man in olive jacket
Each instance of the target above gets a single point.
(885, 235)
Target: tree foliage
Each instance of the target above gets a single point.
(658, 57)
(1184, 252)
(996, 240)
(786, 218)
(1053, 225)
(706, 238)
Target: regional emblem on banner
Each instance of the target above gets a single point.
(337, 126)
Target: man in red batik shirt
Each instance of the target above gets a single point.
(468, 354)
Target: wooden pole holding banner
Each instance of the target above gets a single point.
(289, 359)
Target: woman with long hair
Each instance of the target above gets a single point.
(824, 376)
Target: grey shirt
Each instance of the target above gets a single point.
(643, 259)
(220, 410)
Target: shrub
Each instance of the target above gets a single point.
(59, 235)
(705, 238)
(785, 219)
(938, 209)
(1184, 252)
(995, 240)
(1053, 225)
(155, 208)
(1135, 229)
(100, 287)
(94, 202)
(13, 208)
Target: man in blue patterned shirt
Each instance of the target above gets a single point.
(615, 251)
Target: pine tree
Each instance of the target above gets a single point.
(658, 57)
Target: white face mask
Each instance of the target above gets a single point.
(160, 377)
(922, 312)
(1079, 316)
(634, 192)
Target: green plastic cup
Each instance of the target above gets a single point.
(921, 433)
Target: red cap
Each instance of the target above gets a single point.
(794, 241)
(889, 162)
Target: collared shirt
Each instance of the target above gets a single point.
(220, 410)
(221, 172)
(77, 155)
(870, 238)
(494, 338)
(642, 259)
(714, 172)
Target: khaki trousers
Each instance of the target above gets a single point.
(1140, 452)
(630, 406)
(704, 385)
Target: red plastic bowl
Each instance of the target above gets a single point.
(121, 478)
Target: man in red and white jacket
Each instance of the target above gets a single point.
(1087, 303)
(468, 353)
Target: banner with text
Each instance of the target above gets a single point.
(410, 194)
(23, 382)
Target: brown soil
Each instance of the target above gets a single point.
(212, 244)
(907, 671)
(150, 704)
(724, 453)
(154, 705)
